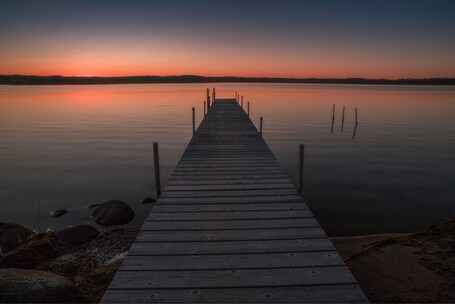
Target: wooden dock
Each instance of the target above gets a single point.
(230, 227)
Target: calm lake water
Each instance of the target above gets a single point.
(70, 146)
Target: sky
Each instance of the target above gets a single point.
(256, 38)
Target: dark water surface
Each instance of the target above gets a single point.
(70, 146)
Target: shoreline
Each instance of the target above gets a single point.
(197, 79)
(389, 267)
(403, 267)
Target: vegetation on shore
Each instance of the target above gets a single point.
(56, 79)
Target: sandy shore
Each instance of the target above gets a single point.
(416, 267)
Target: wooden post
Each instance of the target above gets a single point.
(333, 117)
(194, 121)
(204, 108)
(342, 121)
(356, 121)
(260, 126)
(214, 95)
(242, 102)
(208, 103)
(157, 169)
(248, 109)
(300, 186)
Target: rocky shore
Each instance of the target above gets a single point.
(75, 264)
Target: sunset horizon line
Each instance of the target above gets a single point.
(225, 76)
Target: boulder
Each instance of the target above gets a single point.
(25, 286)
(78, 234)
(58, 212)
(148, 200)
(12, 235)
(114, 212)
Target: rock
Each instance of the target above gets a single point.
(93, 205)
(40, 249)
(58, 212)
(12, 235)
(24, 286)
(78, 234)
(113, 212)
(148, 200)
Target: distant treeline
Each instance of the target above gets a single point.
(40, 80)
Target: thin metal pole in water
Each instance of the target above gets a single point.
(157, 169)
(194, 121)
(260, 126)
(342, 121)
(300, 168)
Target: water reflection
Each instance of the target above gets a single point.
(69, 146)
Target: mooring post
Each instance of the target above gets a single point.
(204, 108)
(194, 121)
(214, 95)
(356, 121)
(248, 109)
(300, 168)
(333, 117)
(208, 104)
(342, 121)
(260, 126)
(157, 169)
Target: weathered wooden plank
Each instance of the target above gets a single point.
(340, 293)
(171, 187)
(231, 247)
(235, 261)
(232, 200)
(229, 193)
(191, 216)
(230, 224)
(228, 207)
(230, 235)
(233, 278)
(190, 181)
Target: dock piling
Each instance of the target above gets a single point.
(194, 121)
(260, 125)
(204, 108)
(300, 186)
(248, 109)
(342, 121)
(157, 169)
